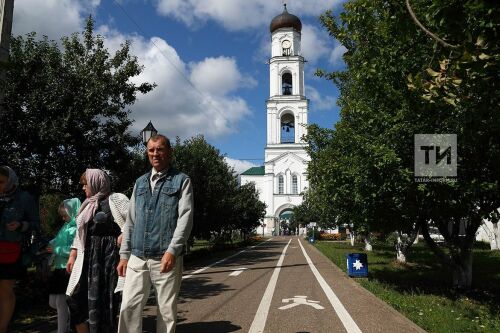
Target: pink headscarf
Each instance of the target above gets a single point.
(99, 185)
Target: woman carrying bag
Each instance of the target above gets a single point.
(18, 216)
(93, 259)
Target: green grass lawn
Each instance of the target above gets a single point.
(421, 288)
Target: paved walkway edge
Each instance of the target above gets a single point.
(356, 285)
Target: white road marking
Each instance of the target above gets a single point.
(220, 261)
(237, 271)
(339, 308)
(259, 321)
(298, 300)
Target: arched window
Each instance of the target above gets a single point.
(295, 185)
(281, 184)
(286, 84)
(287, 128)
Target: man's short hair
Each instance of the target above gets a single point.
(159, 137)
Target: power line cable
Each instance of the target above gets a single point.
(203, 95)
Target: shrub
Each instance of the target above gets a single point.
(392, 238)
(332, 237)
(316, 233)
(50, 221)
(255, 238)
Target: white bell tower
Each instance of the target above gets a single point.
(283, 178)
(287, 105)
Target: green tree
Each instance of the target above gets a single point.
(221, 207)
(363, 170)
(304, 213)
(66, 109)
(247, 209)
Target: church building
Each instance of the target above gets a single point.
(283, 177)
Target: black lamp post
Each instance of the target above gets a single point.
(148, 132)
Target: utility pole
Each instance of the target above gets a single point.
(6, 13)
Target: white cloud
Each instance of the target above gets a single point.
(176, 107)
(52, 18)
(219, 76)
(238, 14)
(239, 166)
(336, 55)
(319, 102)
(314, 43)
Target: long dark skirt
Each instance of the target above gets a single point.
(102, 278)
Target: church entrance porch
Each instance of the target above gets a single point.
(286, 222)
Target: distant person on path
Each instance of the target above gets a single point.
(60, 247)
(18, 216)
(93, 259)
(159, 222)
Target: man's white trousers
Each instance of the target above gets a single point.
(140, 275)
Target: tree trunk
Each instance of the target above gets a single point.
(462, 271)
(351, 235)
(401, 257)
(460, 247)
(368, 245)
(400, 250)
(495, 237)
(404, 243)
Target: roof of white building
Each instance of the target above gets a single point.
(255, 171)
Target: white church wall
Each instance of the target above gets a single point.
(282, 202)
(259, 182)
(269, 188)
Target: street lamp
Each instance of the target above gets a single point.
(148, 132)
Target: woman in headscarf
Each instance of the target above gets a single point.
(18, 216)
(93, 259)
(60, 247)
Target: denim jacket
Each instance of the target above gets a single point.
(159, 219)
(21, 208)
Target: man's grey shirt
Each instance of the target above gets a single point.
(182, 230)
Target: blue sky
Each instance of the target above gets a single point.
(208, 58)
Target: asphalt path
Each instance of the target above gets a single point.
(278, 286)
(282, 285)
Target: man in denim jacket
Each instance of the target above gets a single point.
(159, 221)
